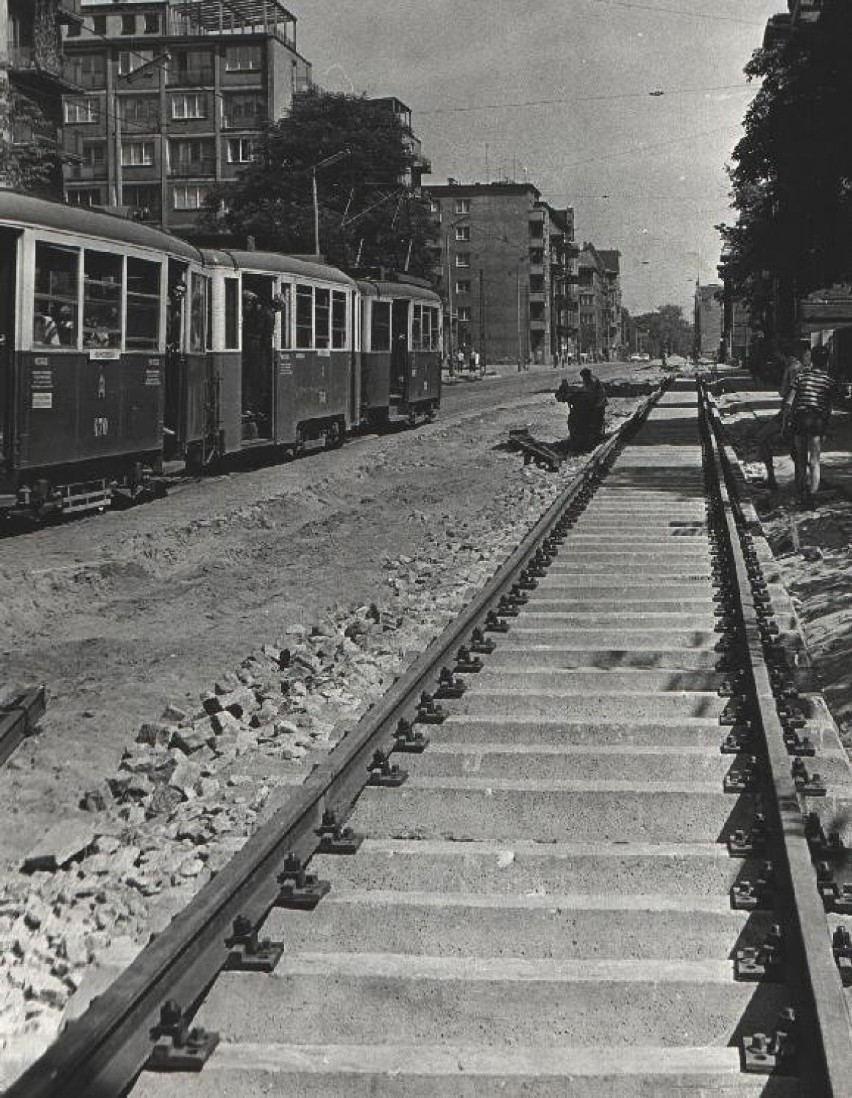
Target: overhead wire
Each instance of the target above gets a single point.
(583, 99)
(712, 16)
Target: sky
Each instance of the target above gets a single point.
(645, 173)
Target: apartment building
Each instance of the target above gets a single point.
(402, 113)
(506, 268)
(600, 319)
(174, 94)
(34, 73)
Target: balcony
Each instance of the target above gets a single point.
(201, 169)
(194, 18)
(45, 69)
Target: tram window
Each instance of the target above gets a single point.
(380, 329)
(323, 309)
(55, 303)
(285, 299)
(304, 316)
(232, 313)
(199, 313)
(338, 319)
(435, 329)
(143, 305)
(102, 276)
(417, 328)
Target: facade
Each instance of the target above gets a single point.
(709, 320)
(174, 93)
(601, 336)
(34, 73)
(506, 268)
(800, 13)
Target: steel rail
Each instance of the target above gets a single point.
(827, 1058)
(100, 1054)
(19, 715)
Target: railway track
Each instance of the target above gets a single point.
(597, 878)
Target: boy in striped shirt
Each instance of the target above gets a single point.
(808, 405)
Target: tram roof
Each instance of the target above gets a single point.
(278, 263)
(24, 209)
(399, 290)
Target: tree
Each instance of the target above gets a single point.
(668, 330)
(368, 213)
(26, 164)
(792, 174)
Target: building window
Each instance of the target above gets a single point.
(144, 199)
(90, 70)
(243, 111)
(140, 109)
(463, 259)
(129, 61)
(85, 196)
(240, 150)
(152, 23)
(102, 285)
(143, 305)
(463, 287)
(434, 206)
(94, 155)
(242, 59)
(99, 25)
(128, 24)
(191, 67)
(462, 232)
(56, 303)
(464, 314)
(462, 205)
(137, 154)
(194, 157)
(190, 197)
(74, 30)
(188, 106)
(81, 110)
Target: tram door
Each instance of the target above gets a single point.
(174, 400)
(258, 356)
(8, 291)
(399, 348)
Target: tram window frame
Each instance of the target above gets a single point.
(141, 303)
(417, 328)
(339, 316)
(379, 328)
(54, 297)
(322, 318)
(103, 296)
(304, 296)
(231, 300)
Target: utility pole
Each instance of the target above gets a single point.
(450, 310)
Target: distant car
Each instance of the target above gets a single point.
(638, 358)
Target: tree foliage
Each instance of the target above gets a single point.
(667, 330)
(367, 214)
(792, 173)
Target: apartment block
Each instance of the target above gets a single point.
(600, 320)
(506, 269)
(402, 113)
(34, 72)
(174, 94)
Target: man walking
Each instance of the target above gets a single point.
(808, 405)
(778, 429)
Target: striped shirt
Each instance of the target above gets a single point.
(811, 390)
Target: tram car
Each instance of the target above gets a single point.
(121, 345)
(400, 360)
(82, 353)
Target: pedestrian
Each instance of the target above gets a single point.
(778, 430)
(808, 405)
(476, 358)
(460, 359)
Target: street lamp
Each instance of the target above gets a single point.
(333, 159)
